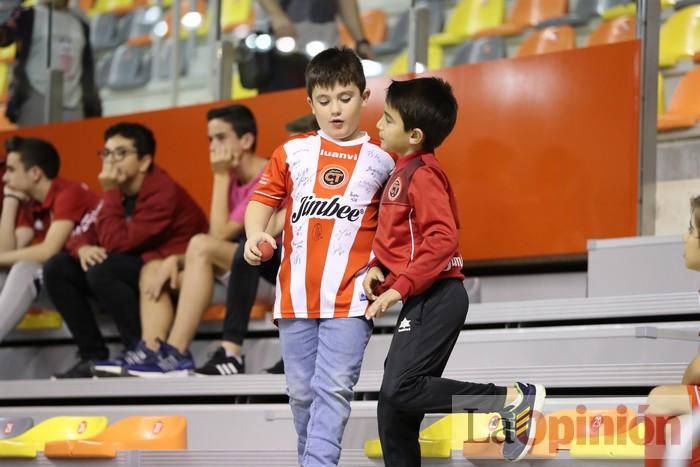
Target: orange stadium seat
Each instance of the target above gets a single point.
(618, 29)
(684, 109)
(129, 434)
(526, 13)
(551, 39)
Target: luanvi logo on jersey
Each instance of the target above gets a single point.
(339, 155)
(310, 206)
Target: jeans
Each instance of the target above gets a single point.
(322, 361)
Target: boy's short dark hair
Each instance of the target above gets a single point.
(303, 124)
(335, 66)
(240, 118)
(425, 103)
(34, 152)
(144, 141)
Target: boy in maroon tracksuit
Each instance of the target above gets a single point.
(418, 262)
(144, 215)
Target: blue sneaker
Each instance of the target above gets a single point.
(168, 361)
(520, 421)
(117, 366)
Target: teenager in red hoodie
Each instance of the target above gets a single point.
(144, 216)
(418, 262)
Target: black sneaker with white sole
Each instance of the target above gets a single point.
(82, 369)
(219, 364)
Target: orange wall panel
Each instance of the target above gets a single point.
(543, 156)
(544, 153)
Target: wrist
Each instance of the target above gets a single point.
(11, 196)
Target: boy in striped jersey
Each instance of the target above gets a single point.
(332, 180)
(418, 262)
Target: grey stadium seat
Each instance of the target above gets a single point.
(131, 67)
(11, 427)
(397, 38)
(479, 50)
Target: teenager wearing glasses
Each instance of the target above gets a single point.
(144, 216)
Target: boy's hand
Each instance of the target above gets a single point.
(252, 253)
(383, 303)
(90, 255)
(167, 272)
(15, 193)
(222, 160)
(372, 279)
(110, 177)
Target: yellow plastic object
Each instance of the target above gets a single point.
(30, 442)
(468, 18)
(239, 92)
(628, 9)
(400, 65)
(235, 12)
(4, 80)
(667, 3)
(107, 6)
(679, 37)
(624, 445)
(40, 319)
(7, 54)
(438, 440)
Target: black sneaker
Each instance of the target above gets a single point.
(82, 369)
(276, 369)
(519, 422)
(219, 364)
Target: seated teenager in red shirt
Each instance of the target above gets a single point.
(144, 216)
(40, 213)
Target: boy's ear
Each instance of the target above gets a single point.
(308, 101)
(365, 96)
(145, 163)
(416, 136)
(35, 173)
(247, 141)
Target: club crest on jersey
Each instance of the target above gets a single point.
(319, 208)
(333, 177)
(395, 189)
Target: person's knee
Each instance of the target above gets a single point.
(693, 372)
(299, 390)
(667, 400)
(200, 247)
(100, 275)
(147, 272)
(396, 391)
(55, 267)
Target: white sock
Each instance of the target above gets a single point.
(233, 355)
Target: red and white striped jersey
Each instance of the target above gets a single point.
(333, 190)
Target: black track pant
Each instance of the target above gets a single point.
(115, 285)
(425, 334)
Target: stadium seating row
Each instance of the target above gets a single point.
(89, 437)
